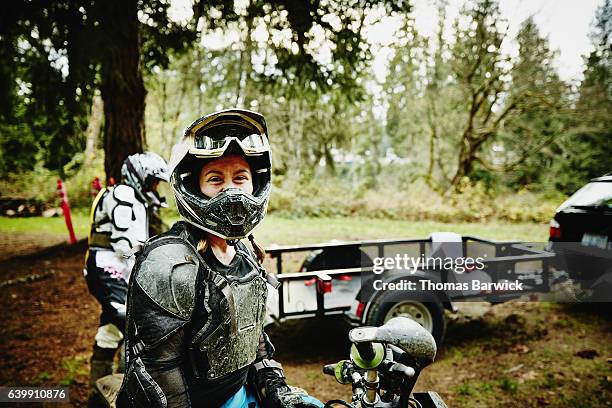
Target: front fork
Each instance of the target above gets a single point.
(366, 389)
(371, 388)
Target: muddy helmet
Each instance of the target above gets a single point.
(233, 213)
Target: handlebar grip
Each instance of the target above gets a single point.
(366, 350)
(329, 369)
(409, 372)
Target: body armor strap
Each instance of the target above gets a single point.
(266, 363)
(98, 238)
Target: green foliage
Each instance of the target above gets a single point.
(40, 183)
(454, 113)
(57, 54)
(44, 104)
(415, 201)
(469, 110)
(530, 143)
(18, 149)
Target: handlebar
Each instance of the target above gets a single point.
(329, 369)
(384, 364)
(366, 350)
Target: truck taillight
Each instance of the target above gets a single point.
(555, 230)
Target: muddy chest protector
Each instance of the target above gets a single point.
(221, 317)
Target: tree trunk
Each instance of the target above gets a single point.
(122, 86)
(464, 163)
(92, 133)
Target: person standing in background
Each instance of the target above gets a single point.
(123, 217)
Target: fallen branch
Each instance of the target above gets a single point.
(27, 279)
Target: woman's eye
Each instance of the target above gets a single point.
(215, 180)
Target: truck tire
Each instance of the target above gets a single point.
(425, 308)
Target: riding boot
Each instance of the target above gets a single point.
(101, 365)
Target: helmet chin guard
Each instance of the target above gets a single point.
(233, 213)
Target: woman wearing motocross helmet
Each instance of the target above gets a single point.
(197, 298)
(122, 217)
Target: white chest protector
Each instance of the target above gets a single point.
(124, 220)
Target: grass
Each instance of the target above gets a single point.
(530, 361)
(41, 378)
(52, 225)
(74, 367)
(507, 355)
(284, 231)
(312, 230)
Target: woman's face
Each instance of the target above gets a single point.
(226, 172)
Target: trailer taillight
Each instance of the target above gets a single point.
(555, 229)
(360, 308)
(324, 285)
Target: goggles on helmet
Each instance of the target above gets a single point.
(213, 134)
(207, 146)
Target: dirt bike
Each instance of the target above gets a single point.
(383, 368)
(384, 365)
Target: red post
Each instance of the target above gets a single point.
(61, 190)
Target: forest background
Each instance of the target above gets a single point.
(459, 130)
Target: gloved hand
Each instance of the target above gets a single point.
(279, 395)
(268, 379)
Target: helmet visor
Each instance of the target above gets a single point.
(207, 146)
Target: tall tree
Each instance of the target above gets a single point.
(528, 144)
(61, 51)
(109, 43)
(478, 67)
(121, 82)
(44, 101)
(587, 152)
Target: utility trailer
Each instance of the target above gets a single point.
(336, 278)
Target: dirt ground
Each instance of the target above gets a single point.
(513, 355)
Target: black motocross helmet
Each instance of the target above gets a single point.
(233, 213)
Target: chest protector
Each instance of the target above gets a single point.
(233, 343)
(222, 316)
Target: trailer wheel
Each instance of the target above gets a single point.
(428, 311)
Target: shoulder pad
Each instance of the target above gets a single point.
(124, 193)
(167, 274)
